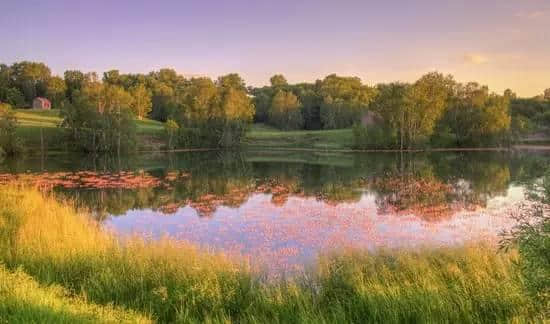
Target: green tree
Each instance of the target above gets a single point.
(425, 102)
(100, 119)
(74, 81)
(171, 129)
(31, 79)
(278, 81)
(112, 77)
(5, 81)
(233, 81)
(141, 104)
(285, 112)
(390, 105)
(344, 100)
(14, 97)
(56, 90)
(167, 89)
(511, 95)
(238, 112)
(10, 144)
(476, 117)
(262, 101)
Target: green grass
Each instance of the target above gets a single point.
(171, 281)
(263, 136)
(149, 126)
(23, 300)
(31, 122)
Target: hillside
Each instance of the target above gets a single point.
(32, 122)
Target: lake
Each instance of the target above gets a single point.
(280, 209)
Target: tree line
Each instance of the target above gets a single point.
(99, 113)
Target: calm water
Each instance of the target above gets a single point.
(281, 209)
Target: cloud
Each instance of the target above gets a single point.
(535, 14)
(474, 58)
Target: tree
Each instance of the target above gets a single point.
(74, 81)
(55, 90)
(167, 89)
(232, 80)
(112, 77)
(141, 104)
(238, 112)
(547, 94)
(511, 95)
(262, 102)
(344, 100)
(14, 97)
(278, 81)
(476, 117)
(31, 79)
(5, 81)
(390, 105)
(171, 128)
(285, 112)
(10, 144)
(214, 114)
(100, 118)
(199, 103)
(425, 102)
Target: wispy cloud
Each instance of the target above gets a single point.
(475, 58)
(535, 14)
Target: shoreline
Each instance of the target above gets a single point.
(519, 147)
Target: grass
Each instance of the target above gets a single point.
(31, 122)
(23, 300)
(170, 281)
(263, 136)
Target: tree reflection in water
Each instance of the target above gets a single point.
(430, 186)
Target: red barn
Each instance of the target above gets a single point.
(41, 103)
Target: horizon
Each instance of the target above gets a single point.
(502, 44)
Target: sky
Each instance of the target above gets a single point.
(500, 43)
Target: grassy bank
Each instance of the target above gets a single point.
(55, 246)
(23, 300)
(32, 122)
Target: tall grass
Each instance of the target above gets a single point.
(23, 300)
(175, 282)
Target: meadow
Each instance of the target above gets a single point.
(31, 122)
(264, 136)
(59, 263)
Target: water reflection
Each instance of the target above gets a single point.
(285, 207)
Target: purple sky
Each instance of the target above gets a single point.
(502, 43)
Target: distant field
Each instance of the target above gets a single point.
(32, 121)
(264, 136)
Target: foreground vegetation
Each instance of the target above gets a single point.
(48, 249)
(23, 300)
